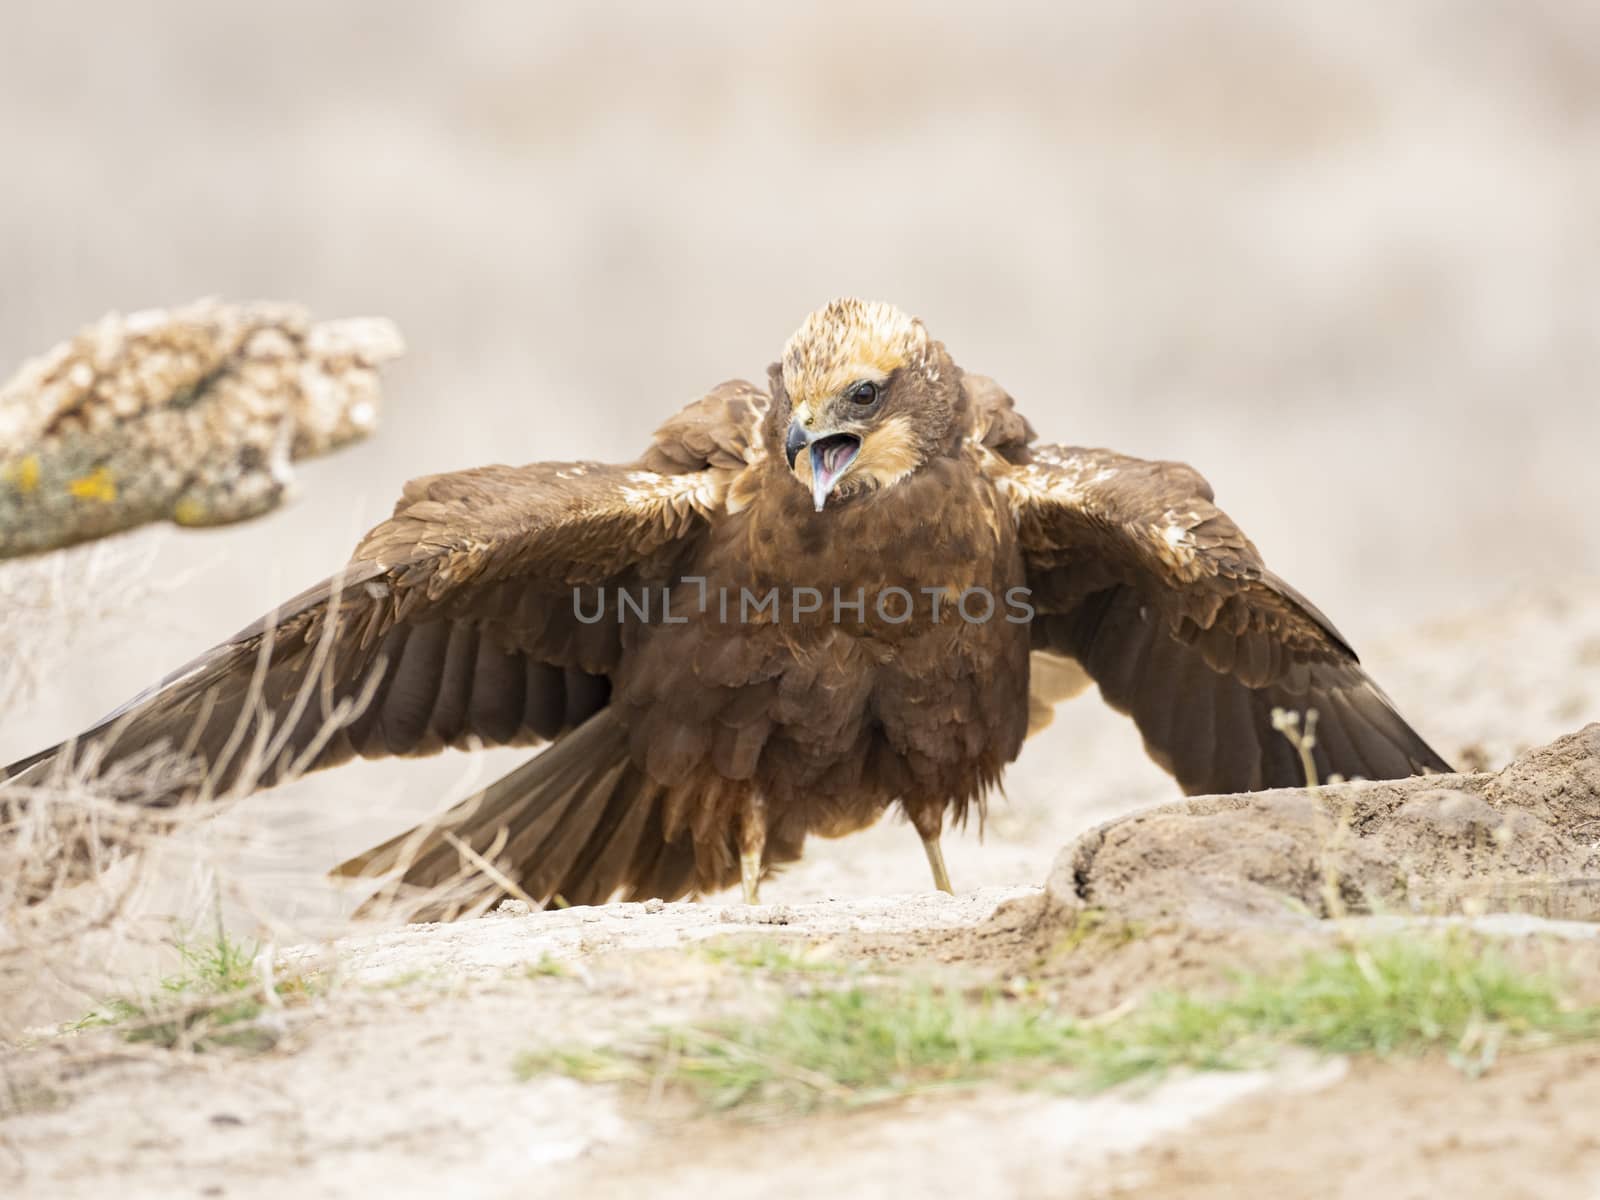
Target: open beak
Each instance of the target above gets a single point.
(831, 456)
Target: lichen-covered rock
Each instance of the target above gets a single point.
(192, 415)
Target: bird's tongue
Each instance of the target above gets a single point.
(830, 457)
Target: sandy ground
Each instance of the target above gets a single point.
(1406, 1131)
(408, 1085)
(401, 1079)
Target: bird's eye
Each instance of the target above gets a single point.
(865, 393)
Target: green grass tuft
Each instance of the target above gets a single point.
(1451, 994)
(214, 1000)
(852, 1046)
(776, 955)
(548, 967)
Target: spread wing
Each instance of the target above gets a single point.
(1142, 581)
(454, 623)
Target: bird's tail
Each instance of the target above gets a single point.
(575, 825)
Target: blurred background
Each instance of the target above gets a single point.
(1345, 259)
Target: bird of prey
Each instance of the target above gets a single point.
(857, 588)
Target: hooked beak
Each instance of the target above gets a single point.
(831, 456)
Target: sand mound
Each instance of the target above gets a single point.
(1525, 839)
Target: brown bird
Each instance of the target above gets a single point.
(800, 607)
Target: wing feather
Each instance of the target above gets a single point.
(1140, 578)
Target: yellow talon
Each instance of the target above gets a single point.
(750, 874)
(941, 877)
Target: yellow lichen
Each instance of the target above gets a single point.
(23, 474)
(97, 485)
(189, 511)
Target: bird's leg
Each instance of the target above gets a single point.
(752, 844)
(929, 823)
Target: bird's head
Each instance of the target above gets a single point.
(863, 398)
